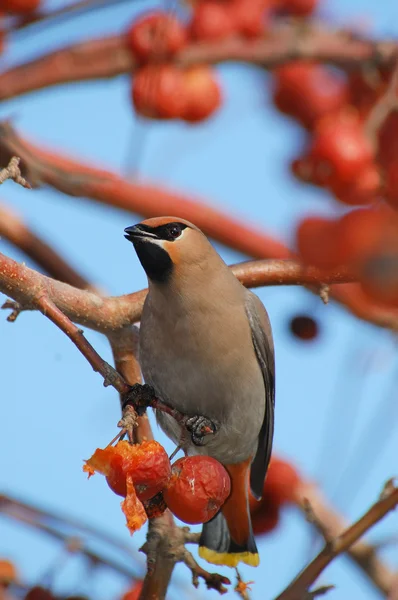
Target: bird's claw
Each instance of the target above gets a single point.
(199, 427)
(139, 397)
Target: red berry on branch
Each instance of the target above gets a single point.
(297, 8)
(158, 92)
(388, 142)
(147, 464)
(198, 487)
(340, 147)
(365, 189)
(316, 239)
(19, 6)
(213, 20)
(251, 17)
(360, 232)
(202, 93)
(156, 37)
(304, 327)
(265, 517)
(308, 91)
(282, 480)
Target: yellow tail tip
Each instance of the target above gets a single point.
(229, 560)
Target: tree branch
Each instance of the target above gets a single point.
(109, 57)
(77, 179)
(299, 587)
(13, 229)
(74, 178)
(330, 524)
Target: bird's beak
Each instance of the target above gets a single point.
(137, 232)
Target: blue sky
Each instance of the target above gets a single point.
(336, 404)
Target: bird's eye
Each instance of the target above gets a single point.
(175, 231)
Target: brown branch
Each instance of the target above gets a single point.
(67, 11)
(77, 179)
(330, 524)
(301, 584)
(12, 171)
(107, 314)
(386, 104)
(74, 178)
(54, 525)
(13, 229)
(109, 57)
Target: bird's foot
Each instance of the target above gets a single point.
(200, 427)
(139, 397)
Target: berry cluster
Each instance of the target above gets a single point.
(355, 159)
(163, 90)
(193, 488)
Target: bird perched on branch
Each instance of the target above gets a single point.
(206, 348)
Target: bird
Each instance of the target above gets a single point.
(206, 349)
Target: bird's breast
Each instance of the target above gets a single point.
(205, 364)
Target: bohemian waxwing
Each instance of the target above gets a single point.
(206, 348)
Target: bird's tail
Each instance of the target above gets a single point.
(228, 538)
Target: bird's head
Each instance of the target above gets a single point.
(166, 244)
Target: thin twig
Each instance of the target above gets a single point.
(13, 229)
(386, 104)
(68, 11)
(110, 375)
(12, 171)
(301, 584)
(330, 524)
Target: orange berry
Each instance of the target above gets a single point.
(202, 93)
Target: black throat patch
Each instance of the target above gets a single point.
(155, 260)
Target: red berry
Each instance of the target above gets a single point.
(19, 6)
(297, 8)
(198, 487)
(212, 20)
(317, 242)
(342, 148)
(251, 17)
(360, 233)
(365, 189)
(265, 517)
(158, 92)
(304, 327)
(388, 142)
(116, 479)
(391, 183)
(156, 37)
(282, 481)
(147, 465)
(308, 91)
(202, 93)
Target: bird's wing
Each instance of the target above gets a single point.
(264, 348)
